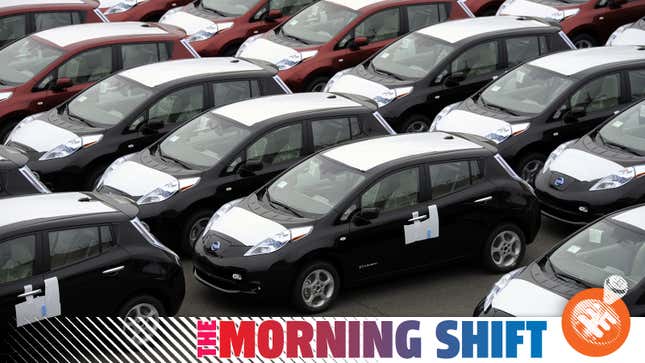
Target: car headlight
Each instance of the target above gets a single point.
(220, 213)
(295, 59)
(170, 12)
(563, 14)
(209, 31)
(505, 132)
(279, 240)
(71, 146)
(122, 6)
(616, 180)
(115, 165)
(166, 191)
(499, 286)
(5, 95)
(246, 44)
(26, 121)
(444, 112)
(616, 33)
(329, 86)
(554, 155)
(392, 94)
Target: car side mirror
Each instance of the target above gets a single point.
(575, 114)
(358, 42)
(365, 215)
(454, 79)
(274, 14)
(250, 167)
(152, 127)
(62, 84)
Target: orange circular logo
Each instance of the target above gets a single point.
(596, 322)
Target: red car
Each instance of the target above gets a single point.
(484, 7)
(219, 27)
(332, 35)
(587, 22)
(44, 69)
(138, 10)
(19, 18)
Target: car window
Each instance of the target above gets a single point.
(420, 16)
(13, 27)
(395, 191)
(380, 26)
(69, 246)
(637, 83)
(477, 61)
(283, 144)
(17, 257)
(230, 92)
(448, 178)
(333, 131)
(521, 49)
(134, 55)
(44, 21)
(289, 7)
(598, 95)
(178, 107)
(88, 66)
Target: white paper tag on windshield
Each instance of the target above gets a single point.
(173, 138)
(617, 124)
(81, 99)
(642, 112)
(573, 249)
(495, 88)
(595, 235)
(282, 184)
(385, 55)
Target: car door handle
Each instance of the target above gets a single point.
(418, 218)
(485, 199)
(113, 271)
(30, 293)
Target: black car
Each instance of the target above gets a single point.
(71, 145)
(15, 176)
(610, 251)
(537, 106)
(421, 73)
(229, 152)
(601, 172)
(82, 254)
(367, 210)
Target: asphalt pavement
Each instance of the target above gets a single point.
(447, 291)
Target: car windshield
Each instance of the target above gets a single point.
(527, 89)
(229, 8)
(24, 59)
(315, 186)
(412, 57)
(204, 141)
(318, 23)
(609, 247)
(627, 130)
(109, 102)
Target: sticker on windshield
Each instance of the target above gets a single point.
(36, 308)
(282, 184)
(495, 88)
(385, 55)
(82, 99)
(573, 249)
(173, 138)
(595, 235)
(617, 124)
(423, 226)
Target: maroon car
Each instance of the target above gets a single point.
(332, 35)
(587, 22)
(138, 10)
(43, 69)
(19, 18)
(484, 7)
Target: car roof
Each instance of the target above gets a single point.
(153, 75)
(368, 154)
(356, 4)
(457, 30)
(571, 62)
(253, 111)
(11, 3)
(74, 34)
(634, 217)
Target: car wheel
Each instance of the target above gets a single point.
(316, 287)
(6, 127)
(146, 307)
(94, 176)
(504, 249)
(416, 123)
(584, 41)
(530, 166)
(193, 228)
(317, 85)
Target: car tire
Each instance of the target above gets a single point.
(583, 40)
(94, 176)
(143, 306)
(504, 249)
(6, 126)
(416, 123)
(317, 84)
(529, 166)
(193, 228)
(316, 287)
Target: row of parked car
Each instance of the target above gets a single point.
(314, 189)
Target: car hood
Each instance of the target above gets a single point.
(349, 83)
(523, 298)
(631, 36)
(235, 224)
(187, 21)
(540, 9)
(266, 50)
(469, 123)
(40, 135)
(136, 179)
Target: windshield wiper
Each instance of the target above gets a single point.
(567, 277)
(294, 38)
(282, 205)
(214, 11)
(500, 108)
(165, 157)
(618, 146)
(386, 73)
(79, 119)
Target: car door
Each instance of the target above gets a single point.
(274, 151)
(163, 115)
(469, 71)
(20, 280)
(89, 267)
(398, 236)
(611, 14)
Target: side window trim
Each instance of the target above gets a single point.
(303, 132)
(421, 178)
(46, 253)
(470, 176)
